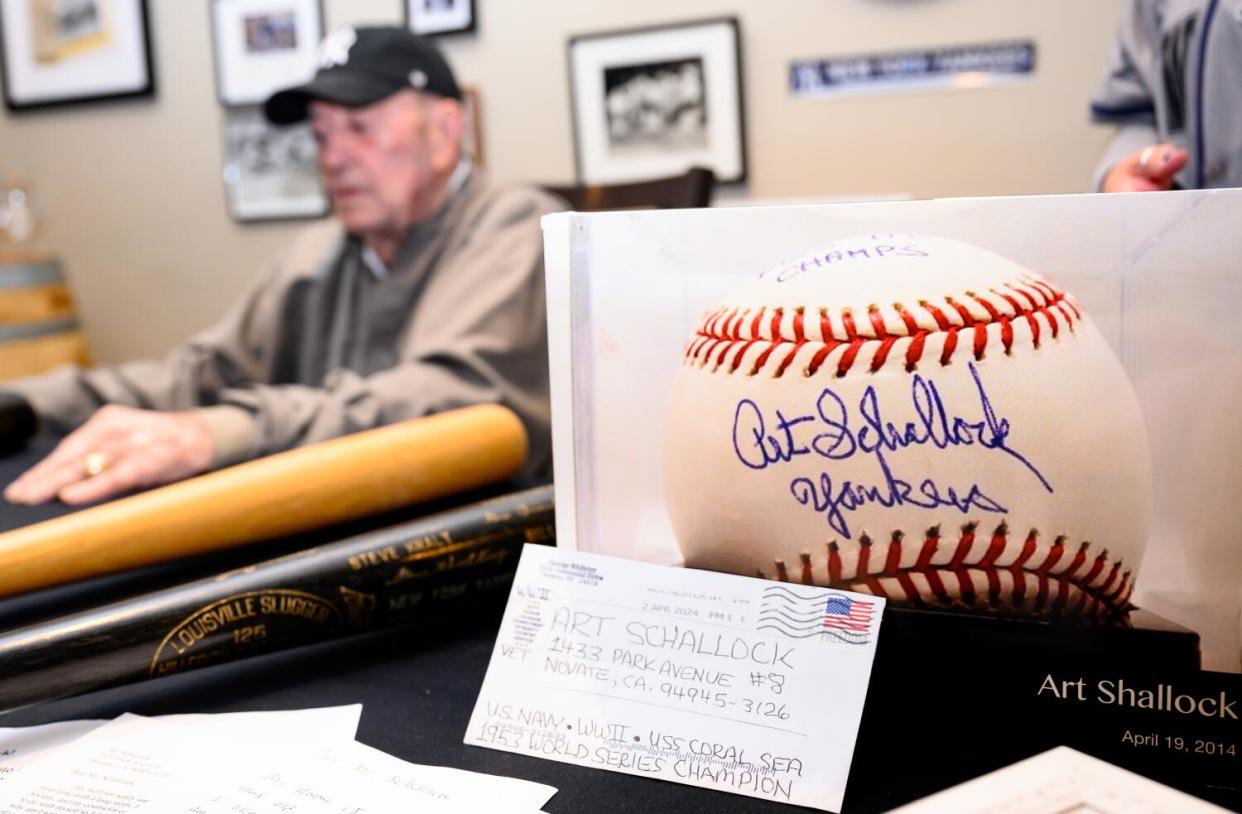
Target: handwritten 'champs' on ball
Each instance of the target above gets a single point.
(912, 417)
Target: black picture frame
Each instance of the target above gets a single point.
(707, 132)
(246, 76)
(447, 17)
(35, 50)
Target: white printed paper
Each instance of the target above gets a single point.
(257, 762)
(320, 724)
(743, 685)
(21, 745)
(135, 761)
(1060, 781)
(469, 791)
(357, 778)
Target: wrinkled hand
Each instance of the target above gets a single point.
(1151, 168)
(138, 448)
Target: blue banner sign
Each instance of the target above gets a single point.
(962, 66)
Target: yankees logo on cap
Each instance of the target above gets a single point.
(334, 50)
(361, 66)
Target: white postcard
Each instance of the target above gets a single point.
(744, 685)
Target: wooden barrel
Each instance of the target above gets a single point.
(38, 324)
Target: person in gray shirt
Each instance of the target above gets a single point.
(423, 293)
(1174, 87)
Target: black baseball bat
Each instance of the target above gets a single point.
(412, 572)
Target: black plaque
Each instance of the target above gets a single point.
(955, 696)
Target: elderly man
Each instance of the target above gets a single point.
(424, 293)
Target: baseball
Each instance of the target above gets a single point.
(916, 418)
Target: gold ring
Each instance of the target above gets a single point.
(94, 464)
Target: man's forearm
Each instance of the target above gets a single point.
(234, 434)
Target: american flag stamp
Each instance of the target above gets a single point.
(829, 616)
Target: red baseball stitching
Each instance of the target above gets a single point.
(978, 571)
(972, 319)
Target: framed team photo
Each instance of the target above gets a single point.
(61, 52)
(262, 46)
(653, 102)
(270, 172)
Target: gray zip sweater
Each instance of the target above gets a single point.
(1175, 76)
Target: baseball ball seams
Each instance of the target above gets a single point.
(915, 418)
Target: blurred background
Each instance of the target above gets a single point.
(129, 193)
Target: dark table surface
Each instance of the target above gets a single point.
(417, 687)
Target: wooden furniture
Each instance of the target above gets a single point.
(690, 190)
(38, 324)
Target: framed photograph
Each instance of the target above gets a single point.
(270, 172)
(472, 135)
(262, 46)
(653, 102)
(433, 17)
(60, 52)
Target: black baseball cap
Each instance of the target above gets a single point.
(359, 66)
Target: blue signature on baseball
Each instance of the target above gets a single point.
(763, 439)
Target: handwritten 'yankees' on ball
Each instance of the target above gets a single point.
(916, 418)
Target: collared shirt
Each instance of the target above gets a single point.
(458, 178)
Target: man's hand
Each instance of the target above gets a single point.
(1151, 168)
(119, 449)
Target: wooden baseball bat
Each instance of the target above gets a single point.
(453, 562)
(313, 486)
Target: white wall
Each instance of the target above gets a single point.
(133, 201)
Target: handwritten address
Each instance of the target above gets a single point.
(765, 438)
(676, 674)
(665, 659)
